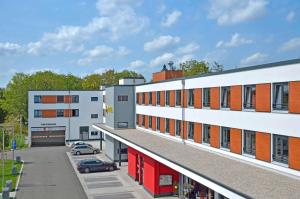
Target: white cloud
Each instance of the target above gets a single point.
(98, 53)
(123, 51)
(290, 16)
(136, 64)
(229, 12)
(254, 59)
(161, 8)
(292, 44)
(236, 40)
(162, 59)
(171, 18)
(161, 42)
(185, 58)
(189, 48)
(10, 48)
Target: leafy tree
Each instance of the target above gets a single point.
(92, 82)
(194, 67)
(216, 67)
(2, 111)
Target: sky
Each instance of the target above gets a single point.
(91, 36)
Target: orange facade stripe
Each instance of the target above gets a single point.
(48, 113)
(236, 140)
(215, 98)
(215, 136)
(294, 153)
(263, 97)
(197, 132)
(49, 99)
(198, 98)
(263, 146)
(294, 98)
(172, 98)
(236, 98)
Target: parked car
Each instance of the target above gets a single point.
(95, 165)
(84, 149)
(79, 143)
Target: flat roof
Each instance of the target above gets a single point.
(244, 179)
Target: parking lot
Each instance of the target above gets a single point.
(108, 185)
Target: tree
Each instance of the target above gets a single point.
(91, 82)
(216, 67)
(2, 111)
(194, 67)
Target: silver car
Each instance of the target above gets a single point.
(84, 149)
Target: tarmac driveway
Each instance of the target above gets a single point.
(48, 174)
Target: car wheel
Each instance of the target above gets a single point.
(86, 170)
(78, 153)
(95, 152)
(111, 168)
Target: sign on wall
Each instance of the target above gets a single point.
(109, 109)
(165, 180)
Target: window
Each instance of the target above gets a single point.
(94, 99)
(280, 96)
(60, 99)
(143, 120)
(75, 98)
(249, 96)
(158, 124)
(136, 119)
(206, 97)
(280, 149)
(158, 98)
(137, 98)
(178, 97)
(143, 98)
(94, 133)
(167, 98)
(225, 137)
(206, 134)
(249, 142)
(37, 113)
(122, 124)
(191, 131)
(225, 97)
(150, 122)
(150, 98)
(37, 99)
(94, 115)
(123, 98)
(75, 112)
(191, 97)
(59, 113)
(103, 98)
(167, 125)
(103, 112)
(178, 128)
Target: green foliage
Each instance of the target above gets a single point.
(7, 172)
(194, 67)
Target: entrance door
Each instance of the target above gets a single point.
(84, 133)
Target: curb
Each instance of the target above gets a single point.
(14, 193)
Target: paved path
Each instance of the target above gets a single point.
(48, 174)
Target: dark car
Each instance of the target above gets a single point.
(95, 165)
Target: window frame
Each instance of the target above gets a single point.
(227, 89)
(75, 98)
(94, 99)
(60, 99)
(59, 112)
(191, 124)
(208, 134)
(40, 115)
(150, 121)
(94, 116)
(252, 149)
(176, 127)
(143, 120)
(157, 98)
(227, 148)
(93, 132)
(206, 104)
(158, 124)
(274, 94)
(275, 159)
(150, 98)
(143, 98)
(177, 92)
(167, 96)
(252, 105)
(37, 101)
(75, 111)
(167, 124)
(191, 101)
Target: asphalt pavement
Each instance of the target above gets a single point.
(48, 174)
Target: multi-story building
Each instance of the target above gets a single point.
(231, 134)
(56, 117)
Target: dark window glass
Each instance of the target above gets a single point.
(249, 142)
(225, 137)
(143, 120)
(206, 133)
(37, 113)
(37, 99)
(60, 99)
(167, 98)
(225, 97)
(280, 96)
(75, 112)
(191, 97)
(59, 113)
(94, 99)
(94, 115)
(150, 98)
(150, 121)
(249, 96)
(167, 125)
(143, 98)
(158, 123)
(178, 97)
(280, 149)
(191, 131)
(94, 133)
(178, 128)
(158, 98)
(206, 97)
(122, 98)
(75, 98)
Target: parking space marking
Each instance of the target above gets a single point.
(125, 195)
(104, 185)
(97, 179)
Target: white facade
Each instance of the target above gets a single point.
(72, 125)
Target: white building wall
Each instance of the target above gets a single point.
(86, 108)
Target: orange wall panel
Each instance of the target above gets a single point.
(236, 98)
(146, 121)
(172, 98)
(198, 98)
(49, 99)
(48, 113)
(198, 132)
(236, 140)
(294, 98)
(67, 99)
(153, 123)
(153, 98)
(146, 98)
(172, 127)
(140, 120)
(215, 136)
(263, 97)
(67, 113)
(294, 153)
(263, 146)
(184, 128)
(215, 98)
(185, 97)
(162, 125)
(162, 98)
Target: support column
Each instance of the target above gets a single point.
(119, 153)
(101, 138)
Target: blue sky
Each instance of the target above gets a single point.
(84, 37)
